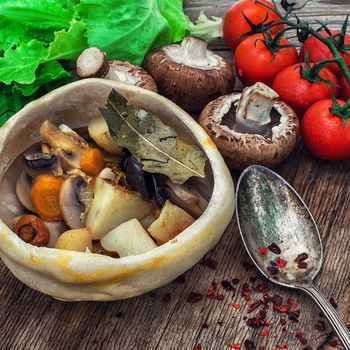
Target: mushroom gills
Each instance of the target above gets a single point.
(39, 163)
(250, 127)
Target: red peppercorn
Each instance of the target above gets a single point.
(282, 346)
(197, 347)
(234, 345)
(265, 332)
(281, 262)
(263, 250)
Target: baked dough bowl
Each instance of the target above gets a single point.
(68, 275)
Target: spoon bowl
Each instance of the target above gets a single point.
(282, 238)
(270, 211)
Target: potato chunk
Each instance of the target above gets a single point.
(171, 222)
(112, 206)
(129, 238)
(77, 240)
(99, 132)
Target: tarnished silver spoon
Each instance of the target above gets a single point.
(270, 211)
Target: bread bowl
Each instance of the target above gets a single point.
(69, 275)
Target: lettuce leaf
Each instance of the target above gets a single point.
(127, 30)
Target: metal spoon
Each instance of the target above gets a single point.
(270, 211)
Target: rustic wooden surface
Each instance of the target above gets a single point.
(164, 319)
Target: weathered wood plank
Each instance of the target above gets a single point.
(30, 320)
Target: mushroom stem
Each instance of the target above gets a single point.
(255, 104)
(195, 50)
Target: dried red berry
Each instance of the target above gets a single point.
(301, 337)
(234, 345)
(301, 257)
(249, 345)
(194, 297)
(302, 265)
(320, 326)
(281, 262)
(292, 303)
(272, 270)
(281, 308)
(227, 285)
(262, 287)
(282, 346)
(254, 322)
(197, 347)
(253, 306)
(333, 303)
(274, 248)
(236, 306)
(212, 264)
(263, 250)
(265, 332)
(277, 300)
(333, 343)
(293, 315)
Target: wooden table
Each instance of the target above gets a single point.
(164, 319)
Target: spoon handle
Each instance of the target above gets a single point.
(328, 310)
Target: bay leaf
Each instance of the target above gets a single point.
(154, 144)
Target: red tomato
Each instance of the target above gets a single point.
(324, 133)
(345, 93)
(318, 51)
(255, 62)
(236, 25)
(300, 93)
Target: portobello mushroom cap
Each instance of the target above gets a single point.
(189, 74)
(252, 127)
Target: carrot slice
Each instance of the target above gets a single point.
(92, 161)
(45, 196)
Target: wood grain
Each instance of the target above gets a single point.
(165, 319)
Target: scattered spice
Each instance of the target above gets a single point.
(264, 333)
(292, 303)
(320, 326)
(262, 287)
(302, 265)
(272, 270)
(249, 345)
(283, 321)
(333, 303)
(246, 292)
(333, 343)
(194, 297)
(197, 347)
(274, 248)
(293, 315)
(280, 262)
(234, 345)
(277, 300)
(263, 250)
(235, 281)
(282, 346)
(227, 285)
(236, 306)
(281, 308)
(253, 306)
(166, 298)
(301, 257)
(253, 322)
(301, 337)
(212, 264)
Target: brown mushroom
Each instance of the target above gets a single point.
(39, 163)
(92, 63)
(189, 74)
(23, 187)
(71, 206)
(252, 127)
